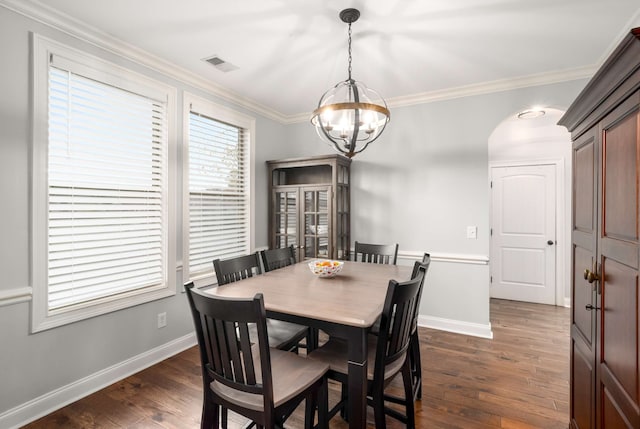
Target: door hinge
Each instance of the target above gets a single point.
(491, 184)
(490, 279)
(490, 231)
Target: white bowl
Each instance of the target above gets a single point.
(325, 267)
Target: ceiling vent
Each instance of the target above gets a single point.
(220, 64)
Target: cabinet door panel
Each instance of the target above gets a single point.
(583, 321)
(583, 295)
(618, 325)
(316, 215)
(285, 218)
(584, 180)
(582, 388)
(611, 415)
(619, 330)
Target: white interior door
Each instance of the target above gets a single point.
(523, 234)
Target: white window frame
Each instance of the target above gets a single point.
(41, 317)
(224, 114)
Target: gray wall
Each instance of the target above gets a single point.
(426, 179)
(34, 365)
(420, 185)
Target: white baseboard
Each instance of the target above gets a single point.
(567, 302)
(54, 400)
(456, 326)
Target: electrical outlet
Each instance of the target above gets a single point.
(162, 320)
(472, 232)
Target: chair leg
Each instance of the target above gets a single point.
(312, 339)
(225, 417)
(310, 403)
(407, 379)
(378, 408)
(344, 399)
(210, 415)
(323, 405)
(416, 365)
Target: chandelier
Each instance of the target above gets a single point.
(350, 116)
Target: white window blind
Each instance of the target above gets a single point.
(106, 190)
(218, 192)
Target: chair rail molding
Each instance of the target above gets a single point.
(458, 258)
(15, 295)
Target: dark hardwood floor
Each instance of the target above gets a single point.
(518, 380)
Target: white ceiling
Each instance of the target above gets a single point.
(289, 52)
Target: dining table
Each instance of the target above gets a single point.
(345, 306)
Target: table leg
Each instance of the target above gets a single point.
(357, 385)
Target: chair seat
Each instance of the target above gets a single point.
(282, 335)
(291, 375)
(334, 352)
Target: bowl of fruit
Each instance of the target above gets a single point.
(325, 268)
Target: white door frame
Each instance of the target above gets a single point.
(561, 229)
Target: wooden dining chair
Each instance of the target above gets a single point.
(272, 259)
(414, 343)
(376, 253)
(387, 353)
(282, 335)
(260, 383)
(415, 358)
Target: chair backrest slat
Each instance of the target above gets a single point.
(238, 268)
(245, 346)
(210, 338)
(273, 259)
(237, 367)
(376, 253)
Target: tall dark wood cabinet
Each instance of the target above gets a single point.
(310, 206)
(604, 122)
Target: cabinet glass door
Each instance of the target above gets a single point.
(316, 221)
(286, 218)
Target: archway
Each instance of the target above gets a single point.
(514, 145)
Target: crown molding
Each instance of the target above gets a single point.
(494, 86)
(40, 12)
(478, 89)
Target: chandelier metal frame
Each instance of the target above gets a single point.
(361, 121)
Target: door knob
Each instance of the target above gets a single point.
(591, 307)
(550, 242)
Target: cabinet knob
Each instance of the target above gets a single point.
(591, 276)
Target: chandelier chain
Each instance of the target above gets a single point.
(349, 51)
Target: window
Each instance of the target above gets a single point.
(101, 187)
(217, 181)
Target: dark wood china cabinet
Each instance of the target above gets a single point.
(604, 122)
(309, 206)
